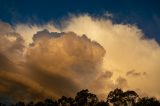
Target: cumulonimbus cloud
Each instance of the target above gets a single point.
(52, 62)
(127, 49)
(39, 61)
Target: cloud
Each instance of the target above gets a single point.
(121, 82)
(133, 73)
(39, 61)
(5, 27)
(28, 30)
(79, 62)
(108, 15)
(48, 65)
(12, 44)
(126, 49)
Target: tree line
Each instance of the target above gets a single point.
(116, 97)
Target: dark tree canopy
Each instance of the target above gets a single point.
(116, 97)
(146, 101)
(84, 98)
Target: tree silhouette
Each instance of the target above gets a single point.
(64, 101)
(30, 104)
(40, 103)
(115, 97)
(84, 98)
(20, 104)
(130, 98)
(50, 102)
(146, 101)
(1, 104)
(120, 98)
(102, 103)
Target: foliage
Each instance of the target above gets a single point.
(116, 97)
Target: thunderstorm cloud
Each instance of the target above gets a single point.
(39, 61)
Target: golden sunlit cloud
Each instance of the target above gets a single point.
(126, 49)
(87, 52)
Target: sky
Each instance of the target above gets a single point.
(114, 44)
(144, 14)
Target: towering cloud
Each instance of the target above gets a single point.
(39, 61)
(127, 49)
(54, 64)
(74, 59)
